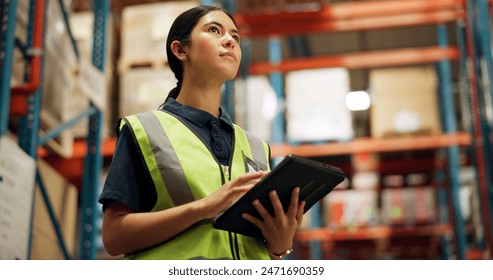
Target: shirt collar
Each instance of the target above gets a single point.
(194, 115)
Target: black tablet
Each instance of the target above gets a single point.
(315, 179)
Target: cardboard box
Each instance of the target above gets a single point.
(316, 105)
(17, 173)
(62, 98)
(404, 101)
(63, 198)
(144, 89)
(144, 29)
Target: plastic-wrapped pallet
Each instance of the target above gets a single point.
(408, 206)
(144, 31)
(255, 105)
(144, 89)
(82, 30)
(60, 72)
(351, 208)
(18, 61)
(315, 105)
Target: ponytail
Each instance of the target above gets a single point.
(174, 92)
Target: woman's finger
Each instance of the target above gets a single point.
(300, 212)
(276, 204)
(261, 210)
(253, 220)
(238, 192)
(245, 178)
(293, 206)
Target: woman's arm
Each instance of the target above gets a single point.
(125, 231)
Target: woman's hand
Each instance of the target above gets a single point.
(279, 229)
(229, 193)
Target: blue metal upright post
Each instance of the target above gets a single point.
(29, 128)
(468, 112)
(30, 123)
(7, 21)
(450, 126)
(481, 37)
(93, 162)
(276, 80)
(227, 100)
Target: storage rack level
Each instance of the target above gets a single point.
(365, 16)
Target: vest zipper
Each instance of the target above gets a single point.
(225, 176)
(226, 171)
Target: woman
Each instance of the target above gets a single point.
(176, 168)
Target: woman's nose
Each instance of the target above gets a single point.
(229, 41)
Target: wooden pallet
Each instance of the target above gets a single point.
(124, 66)
(276, 6)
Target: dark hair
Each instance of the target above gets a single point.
(180, 31)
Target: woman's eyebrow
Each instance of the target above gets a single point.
(222, 26)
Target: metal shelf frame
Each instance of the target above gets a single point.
(476, 33)
(93, 162)
(26, 103)
(372, 15)
(7, 36)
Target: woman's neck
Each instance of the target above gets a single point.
(206, 98)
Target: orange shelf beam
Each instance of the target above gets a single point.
(371, 59)
(379, 8)
(374, 145)
(352, 17)
(80, 149)
(107, 148)
(72, 168)
(18, 103)
(362, 9)
(383, 232)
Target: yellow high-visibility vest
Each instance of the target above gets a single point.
(184, 169)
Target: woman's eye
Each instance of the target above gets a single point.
(236, 38)
(214, 29)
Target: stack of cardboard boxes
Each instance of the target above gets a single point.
(63, 197)
(63, 96)
(145, 78)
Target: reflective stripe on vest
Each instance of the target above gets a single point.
(180, 163)
(258, 151)
(174, 180)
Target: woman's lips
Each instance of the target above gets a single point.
(229, 54)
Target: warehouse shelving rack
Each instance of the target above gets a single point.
(27, 94)
(373, 15)
(24, 102)
(479, 99)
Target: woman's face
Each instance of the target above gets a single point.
(214, 49)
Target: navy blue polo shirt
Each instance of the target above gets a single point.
(129, 181)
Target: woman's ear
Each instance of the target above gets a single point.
(178, 50)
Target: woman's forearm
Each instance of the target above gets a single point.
(125, 231)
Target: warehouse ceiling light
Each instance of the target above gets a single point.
(358, 100)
